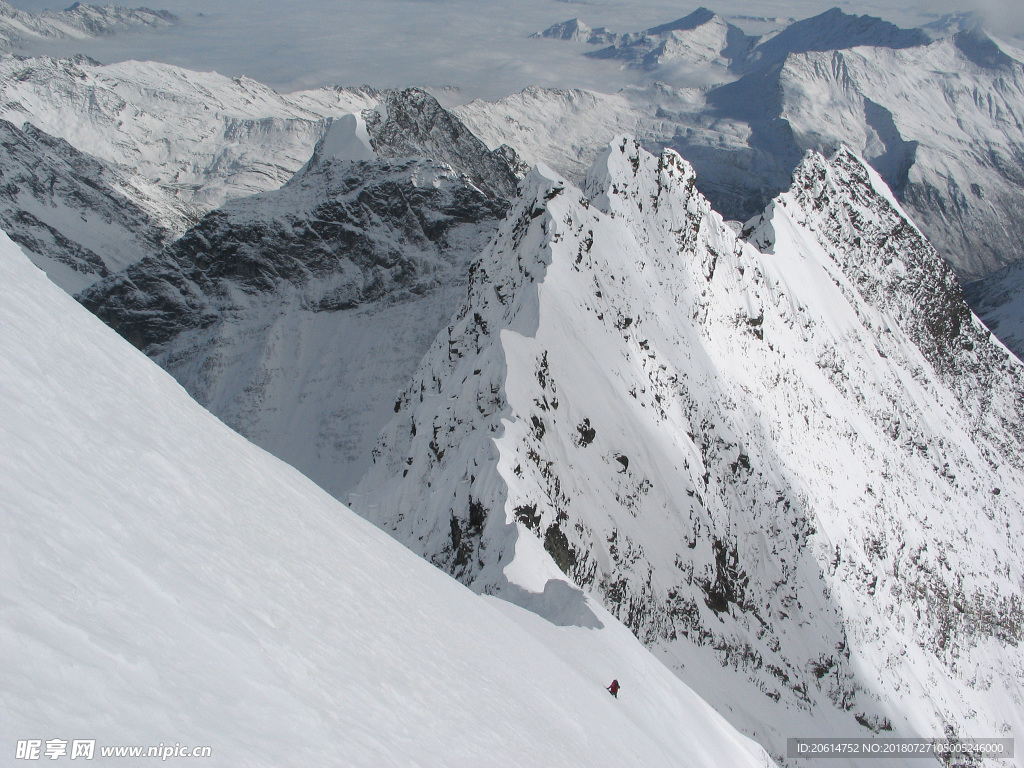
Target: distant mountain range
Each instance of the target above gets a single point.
(77, 22)
(937, 112)
(703, 38)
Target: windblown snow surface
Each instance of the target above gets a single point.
(164, 581)
(793, 469)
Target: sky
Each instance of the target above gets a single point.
(481, 47)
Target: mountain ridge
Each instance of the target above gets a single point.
(689, 471)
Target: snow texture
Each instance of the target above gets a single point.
(165, 581)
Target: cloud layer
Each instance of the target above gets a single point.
(480, 46)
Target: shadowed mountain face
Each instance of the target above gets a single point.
(998, 300)
(77, 217)
(296, 315)
(343, 235)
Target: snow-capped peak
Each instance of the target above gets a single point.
(833, 30)
(346, 140)
(691, 21)
(624, 169)
(573, 29)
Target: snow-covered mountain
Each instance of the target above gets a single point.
(297, 315)
(706, 39)
(77, 22)
(700, 39)
(577, 31)
(164, 582)
(832, 30)
(77, 217)
(940, 122)
(999, 301)
(795, 472)
(205, 137)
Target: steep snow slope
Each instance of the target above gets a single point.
(77, 22)
(166, 582)
(796, 473)
(78, 218)
(999, 301)
(205, 137)
(296, 316)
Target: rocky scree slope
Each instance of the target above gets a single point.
(295, 315)
(795, 472)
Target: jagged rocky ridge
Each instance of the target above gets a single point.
(411, 123)
(794, 472)
(295, 315)
(78, 218)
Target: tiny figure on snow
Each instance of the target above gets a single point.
(613, 689)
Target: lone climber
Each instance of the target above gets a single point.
(613, 689)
